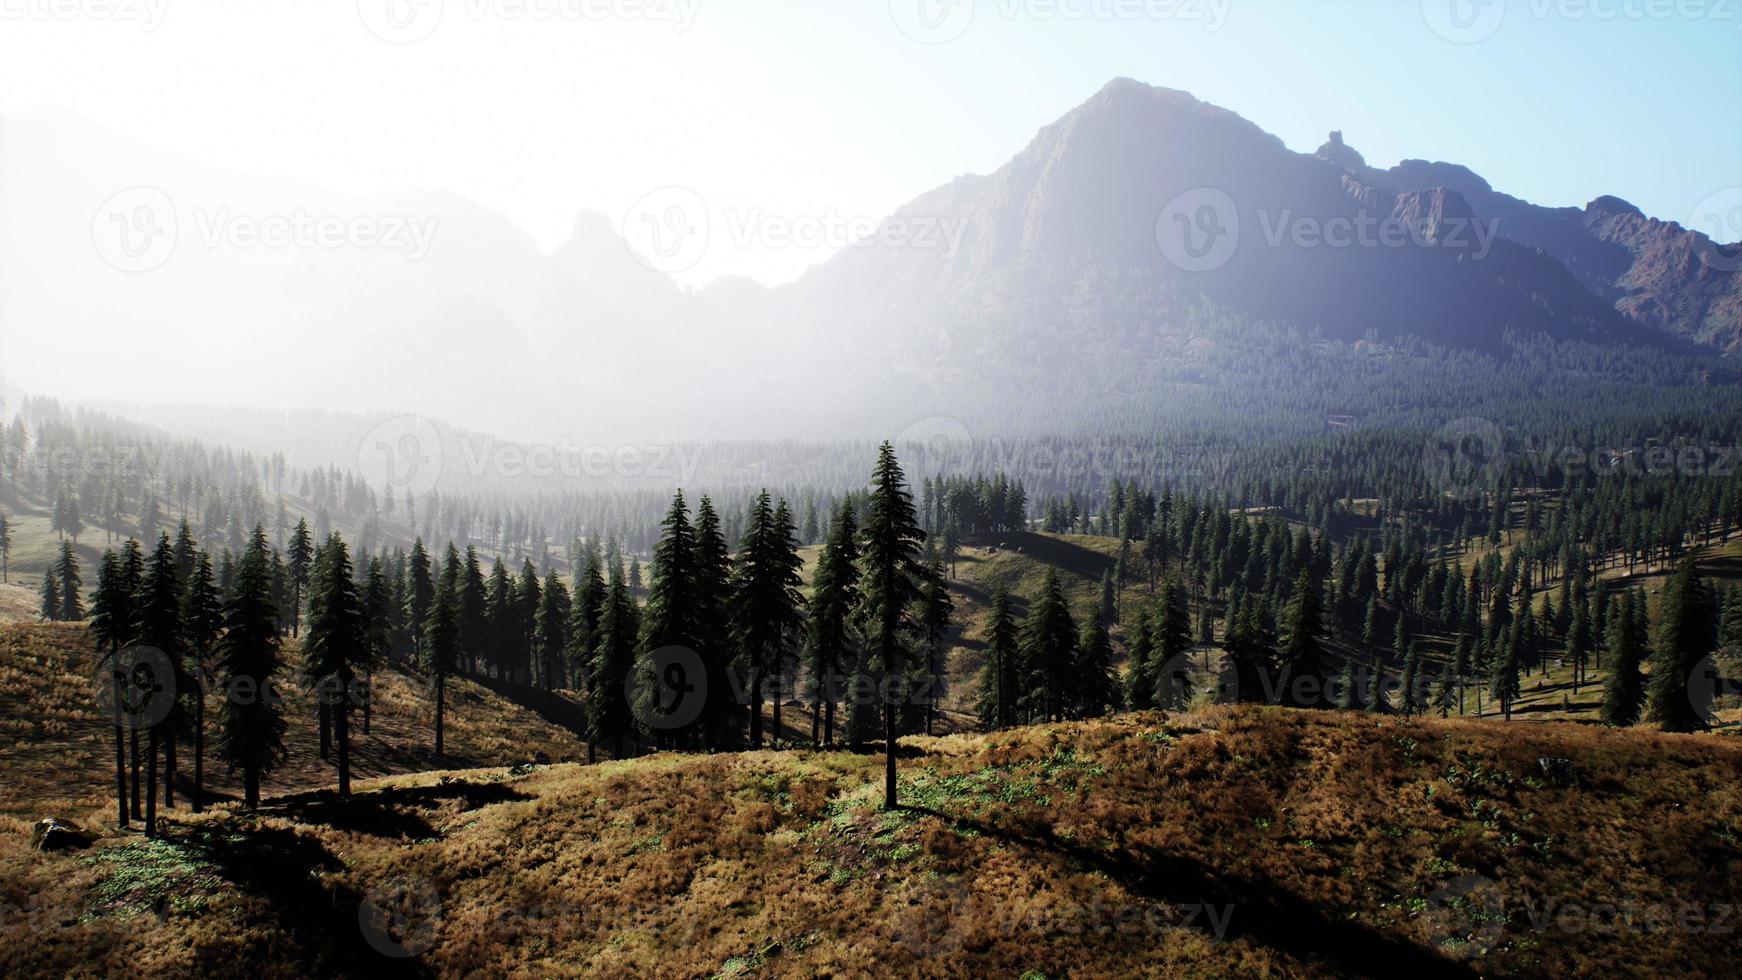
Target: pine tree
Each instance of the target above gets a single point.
(112, 624)
(1376, 702)
(299, 559)
(834, 593)
(5, 549)
(419, 594)
(1140, 663)
(202, 624)
(50, 607)
(584, 614)
(891, 577)
(1170, 680)
(668, 620)
(1503, 679)
(722, 720)
(551, 631)
(936, 607)
(1685, 636)
(1048, 650)
(999, 675)
(160, 608)
(1348, 687)
(66, 574)
(337, 644)
(1624, 695)
(608, 717)
(252, 733)
(441, 638)
(1302, 650)
(1409, 681)
(766, 603)
(1097, 692)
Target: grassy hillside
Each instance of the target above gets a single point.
(1230, 841)
(57, 750)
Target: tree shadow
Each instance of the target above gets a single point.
(555, 709)
(278, 865)
(1266, 913)
(389, 812)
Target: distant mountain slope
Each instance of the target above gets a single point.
(1046, 283)
(1656, 272)
(1070, 228)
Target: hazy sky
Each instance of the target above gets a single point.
(829, 109)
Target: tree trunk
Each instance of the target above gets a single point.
(151, 786)
(888, 755)
(133, 762)
(120, 756)
(755, 707)
(169, 757)
(199, 747)
(441, 686)
(341, 731)
(368, 697)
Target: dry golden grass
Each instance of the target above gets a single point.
(1325, 844)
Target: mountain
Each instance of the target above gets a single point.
(1099, 270)
(1086, 207)
(1655, 272)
